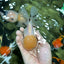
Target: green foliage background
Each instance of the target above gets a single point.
(46, 11)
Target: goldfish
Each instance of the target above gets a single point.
(59, 42)
(21, 16)
(6, 50)
(56, 60)
(30, 41)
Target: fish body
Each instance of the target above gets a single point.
(30, 41)
(29, 29)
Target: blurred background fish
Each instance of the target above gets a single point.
(59, 42)
(4, 44)
(56, 60)
(21, 17)
(25, 16)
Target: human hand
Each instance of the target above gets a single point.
(39, 55)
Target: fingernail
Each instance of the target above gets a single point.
(17, 31)
(43, 41)
(17, 38)
(22, 29)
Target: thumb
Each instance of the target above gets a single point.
(44, 50)
(44, 54)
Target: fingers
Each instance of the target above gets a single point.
(19, 34)
(22, 29)
(25, 54)
(19, 41)
(19, 37)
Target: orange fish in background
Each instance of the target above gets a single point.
(56, 60)
(5, 50)
(59, 42)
